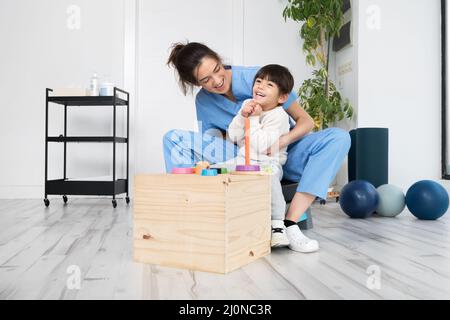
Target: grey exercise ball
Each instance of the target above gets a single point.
(392, 200)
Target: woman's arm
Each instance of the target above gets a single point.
(303, 125)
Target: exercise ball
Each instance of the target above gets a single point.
(358, 199)
(427, 200)
(391, 202)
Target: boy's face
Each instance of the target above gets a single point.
(267, 94)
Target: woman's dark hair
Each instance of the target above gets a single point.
(185, 58)
(279, 75)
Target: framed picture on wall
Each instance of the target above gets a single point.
(346, 5)
(344, 38)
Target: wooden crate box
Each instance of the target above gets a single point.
(215, 224)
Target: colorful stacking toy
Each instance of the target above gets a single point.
(183, 170)
(222, 170)
(209, 172)
(247, 167)
(201, 166)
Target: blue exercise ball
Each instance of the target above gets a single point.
(391, 200)
(359, 199)
(427, 200)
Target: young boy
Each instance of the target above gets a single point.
(269, 121)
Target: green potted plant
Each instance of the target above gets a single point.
(322, 20)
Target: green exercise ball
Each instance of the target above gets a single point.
(392, 200)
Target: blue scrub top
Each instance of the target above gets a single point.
(217, 111)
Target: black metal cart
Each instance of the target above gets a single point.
(66, 186)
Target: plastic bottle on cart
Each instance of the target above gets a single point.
(94, 87)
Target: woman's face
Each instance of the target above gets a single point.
(212, 76)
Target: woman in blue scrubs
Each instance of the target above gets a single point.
(313, 158)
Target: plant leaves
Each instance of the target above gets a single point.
(319, 18)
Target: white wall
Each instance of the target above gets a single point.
(395, 82)
(344, 72)
(131, 45)
(399, 85)
(162, 106)
(269, 39)
(250, 32)
(39, 50)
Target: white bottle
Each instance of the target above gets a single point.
(94, 87)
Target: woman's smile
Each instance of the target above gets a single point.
(212, 76)
(220, 86)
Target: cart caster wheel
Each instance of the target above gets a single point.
(127, 199)
(114, 202)
(65, 199)
(322, 202)
(46, 202)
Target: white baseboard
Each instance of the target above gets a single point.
(445, 184)
(21, 192)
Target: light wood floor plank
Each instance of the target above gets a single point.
(39, 244)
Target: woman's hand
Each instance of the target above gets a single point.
(283, 141)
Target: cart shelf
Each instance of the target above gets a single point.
(86, 188)
(87, 139)
(88, 101)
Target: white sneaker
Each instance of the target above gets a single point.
(279, 238)
(299, 242)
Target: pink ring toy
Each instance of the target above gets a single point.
(183, 170)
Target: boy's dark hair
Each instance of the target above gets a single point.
(279, 75)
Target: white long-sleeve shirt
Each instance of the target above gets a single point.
(265, 130)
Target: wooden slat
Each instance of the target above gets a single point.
(412, 256)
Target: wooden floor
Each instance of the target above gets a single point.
(377, 258)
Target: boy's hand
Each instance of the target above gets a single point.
(257, 110)
(248, 109)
